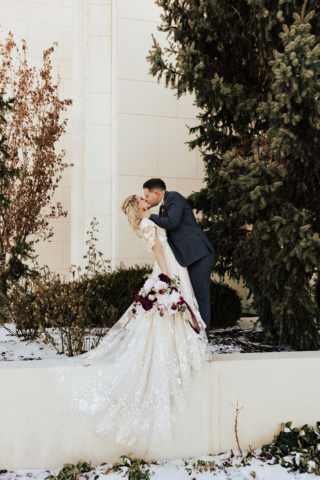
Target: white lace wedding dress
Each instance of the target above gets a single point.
(144, 370)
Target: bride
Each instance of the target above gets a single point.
(145, 362)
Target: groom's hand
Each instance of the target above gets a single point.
(145, 214)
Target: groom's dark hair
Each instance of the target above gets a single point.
(154, 183)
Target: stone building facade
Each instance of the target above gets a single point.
(123, 128)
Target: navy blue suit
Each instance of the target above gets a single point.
(190, 246)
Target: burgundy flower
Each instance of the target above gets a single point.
(161, 292)
(181, 301)
(134, 311)
(164, 278)
(174, 307)
(134, 292)
(173, 289)
(147, 305)
(145, 302)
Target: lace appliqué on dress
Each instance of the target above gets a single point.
(149, 232)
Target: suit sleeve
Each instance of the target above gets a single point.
(173, 216)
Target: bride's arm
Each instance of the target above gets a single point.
(158, 252)
(150, 237)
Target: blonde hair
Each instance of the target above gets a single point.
(131, 209)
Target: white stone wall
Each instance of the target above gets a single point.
(98, 167)
(40, 23)
(151, 123)
(36, 432)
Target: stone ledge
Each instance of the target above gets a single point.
(271, 387)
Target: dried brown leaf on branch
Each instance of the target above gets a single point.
(33, 128)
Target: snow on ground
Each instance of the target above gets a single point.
(13, 348)
(228, 340)
(232, 340)
(226, 468)
(224, 348)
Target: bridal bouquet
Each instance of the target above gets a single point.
(161, 293)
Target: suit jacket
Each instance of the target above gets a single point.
(185, 237)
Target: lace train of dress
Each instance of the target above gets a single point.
(146, 363)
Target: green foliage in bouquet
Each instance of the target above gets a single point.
(294, 448)
(226, 305)
(254, 68)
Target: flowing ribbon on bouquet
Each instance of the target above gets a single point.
(195, 327)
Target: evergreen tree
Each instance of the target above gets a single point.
(254, 67)
(12, 257)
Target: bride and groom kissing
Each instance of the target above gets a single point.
(189, 244)
(147, 359)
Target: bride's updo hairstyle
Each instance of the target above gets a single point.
(131, 209)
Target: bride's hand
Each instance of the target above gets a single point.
(145, 213)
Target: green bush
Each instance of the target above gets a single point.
(303, 441)
(89, 304)
(316, 290)
(73, 472)
(136, 468)
(226, 305)
(75, 308)
(113, 289)
(93, 302)
(23, 313)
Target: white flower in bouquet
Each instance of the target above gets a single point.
(174, 297)
(149, 284)
(151, 297)
(164, 300)
(160, 285)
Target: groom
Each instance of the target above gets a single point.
(189, 244)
